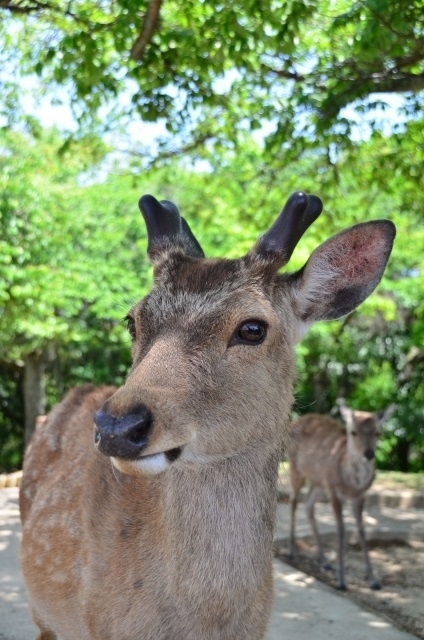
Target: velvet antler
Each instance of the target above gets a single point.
(165, 227)
(279, 242)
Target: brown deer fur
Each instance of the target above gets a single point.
(341, 461)
(174, 542)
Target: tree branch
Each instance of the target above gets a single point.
(415, 55)
(19, 7)
(168, 154)
(148, 28)
(406, 82)
(361, 87)
(22, 8)
(283, 73)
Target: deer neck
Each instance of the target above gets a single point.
(219, 525)
(357, 471)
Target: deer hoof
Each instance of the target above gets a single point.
(342, 587)
(327, 566)
(375, 585)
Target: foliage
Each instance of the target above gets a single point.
(57, 288)
(11, 419)
(42, 273)
(309, 80)
(72, 260)
(210, 71)
(374, 357)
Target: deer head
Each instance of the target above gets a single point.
(212, 343)
(363, 428)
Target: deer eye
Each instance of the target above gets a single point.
(353, 433)
(131, 327)
(249, 332)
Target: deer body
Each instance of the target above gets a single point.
(340, 461)
(185, 581)
(163, 529)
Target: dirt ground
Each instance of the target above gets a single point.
(398, 563)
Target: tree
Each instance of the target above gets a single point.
(55, 278)
(72, 262)
(210, 71)
(71, 248)
(374, 357)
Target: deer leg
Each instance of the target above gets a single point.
(338, 512)
(358, 505)
(313, 495)
(296, 484)
(45, 634)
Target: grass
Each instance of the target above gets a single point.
(384, 479)
(399, 480)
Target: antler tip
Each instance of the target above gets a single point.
(298, 197)
(315, 206)
(146, 201)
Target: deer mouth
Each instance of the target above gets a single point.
(148, 464)
(171, 455)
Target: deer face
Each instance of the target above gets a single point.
(212, 368)
(213, 341)
(363, 429)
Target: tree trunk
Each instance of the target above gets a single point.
(320, 390)
(34, 391)
(402, 454)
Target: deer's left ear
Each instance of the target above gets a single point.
(342, 272)
(385, 414)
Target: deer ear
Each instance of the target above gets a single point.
(347, 414)
(343, 271)
(385, 414)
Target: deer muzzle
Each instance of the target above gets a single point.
(123, 436)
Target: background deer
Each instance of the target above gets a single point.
(163, 530)
(341, 461)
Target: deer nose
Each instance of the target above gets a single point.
(369, 454)
(123, 436)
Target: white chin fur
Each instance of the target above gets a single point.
(149, 465)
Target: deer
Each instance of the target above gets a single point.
(148, 510)
(339, 460)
